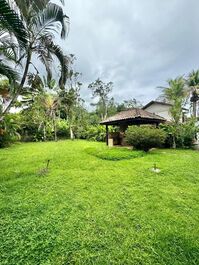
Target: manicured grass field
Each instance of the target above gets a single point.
(96, 206)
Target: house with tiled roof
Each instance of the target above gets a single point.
(161, 107)
(155, 112)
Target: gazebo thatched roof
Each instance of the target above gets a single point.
(133, 116)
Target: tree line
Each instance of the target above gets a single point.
(52, 106)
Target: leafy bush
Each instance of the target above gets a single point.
(145, 137)
(188, 133)
(33, 131)
(9, 127)
(185, 133)
(92, 133)
(63, 129)
(114, 154)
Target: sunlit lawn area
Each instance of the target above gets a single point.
(96, 206)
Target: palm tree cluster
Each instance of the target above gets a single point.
(28, 30)
(181, 90)
(193, 85)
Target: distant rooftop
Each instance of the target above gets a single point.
(159, 100)
(163, 99)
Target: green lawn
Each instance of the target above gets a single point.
(96, 206)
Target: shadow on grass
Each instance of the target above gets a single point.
(178, 248)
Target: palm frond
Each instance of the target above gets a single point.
(27, 6)
(46, 50)
(7, 71)
(63, 60)
(36, 5)
(9, 51)
(10, 21)
(193, 79)
(46, 21)
(45, 57)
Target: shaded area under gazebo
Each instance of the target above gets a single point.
(126, 118)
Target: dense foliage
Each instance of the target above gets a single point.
(51, 109)
(185, 134)
(9, 130)
(145, 137)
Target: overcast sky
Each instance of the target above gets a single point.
(136, 44)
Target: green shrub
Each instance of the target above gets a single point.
(63, 129)
(92, 133)
(145, 137)
(9, 128)
(188, 134)
(185, 133)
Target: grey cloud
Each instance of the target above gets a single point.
(136, 44)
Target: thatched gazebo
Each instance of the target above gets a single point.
(126, 118)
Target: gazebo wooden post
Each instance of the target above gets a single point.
(106, 134)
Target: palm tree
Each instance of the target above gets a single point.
(10, 25)
(175, 93)
(193, 85)
(39, 20)
(50, 104)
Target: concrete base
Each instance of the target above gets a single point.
(110, 142)
(196, 146)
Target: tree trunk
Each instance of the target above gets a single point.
(17, 93)
(55, 128)
(174, 142)
(44, 132)
(71, 133)
(194, 109)
(105, 110)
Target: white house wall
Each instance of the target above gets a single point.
(161, 110)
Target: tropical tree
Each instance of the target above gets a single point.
(193, 89)
(41, 117)
(175, 93)
(12, 34)
(9, 130)
(128, 104)
(50, 104)
(101, 91)
(39, 20)
(70, 100)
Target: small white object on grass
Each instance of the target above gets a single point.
(155, 169)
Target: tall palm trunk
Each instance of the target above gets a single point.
(194, 109)
(19, 89)
(71, 133)
(44, 132)
(174, 142)
(55, 127)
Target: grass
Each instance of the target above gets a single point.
(113, 154)
(88, 209)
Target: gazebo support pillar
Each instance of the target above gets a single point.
(106, 134)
